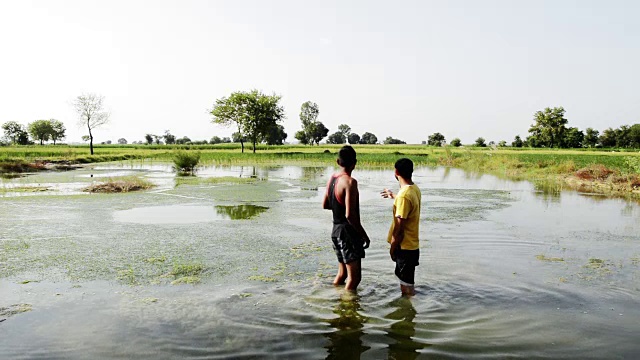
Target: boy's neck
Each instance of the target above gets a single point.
(404, 182)
(345, 171)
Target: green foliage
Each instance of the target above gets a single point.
(275, 135)
(40, 130)
(633, 162)
(517, 142)
(573, 138)
(353, 138)
(549, 127)
(58, 130)
(368, 138)
(456, 142)
(313, 131)
(336, 138)
(122, 141)
(185, 162)
(480, 142)
(149, 139)
(345, 130)
(16, 133)
(254, 113)
(436, 139)
(169, 139)
(391, 141)
(590, 138)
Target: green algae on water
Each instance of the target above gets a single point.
(542, 257)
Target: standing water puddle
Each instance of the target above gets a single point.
(506, 270)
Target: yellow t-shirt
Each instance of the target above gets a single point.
(407, 206)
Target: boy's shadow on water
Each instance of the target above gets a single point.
(346, 342)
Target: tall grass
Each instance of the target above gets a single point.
(185, 162)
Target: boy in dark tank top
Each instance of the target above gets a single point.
(348, 236)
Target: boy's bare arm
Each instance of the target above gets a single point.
(352, 203)
(397, 236)
(325, 201)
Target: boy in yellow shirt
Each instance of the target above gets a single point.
(405, 227)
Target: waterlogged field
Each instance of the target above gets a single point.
(237, 263)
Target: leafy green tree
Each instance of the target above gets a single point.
(318, 132)
(573, 138)
(252, 112)
(608, 138)
(215, 140)
(517, 142)
(634, 136)
(436, 139)
(336, 138)
(622, 136)
(169, 139)
(149, 139)
(309, 112)
(502, 143)
(456, 142)
(590, 138)
(91, 114)
(480, 142)
(237, 137)
(183, 140)
(275, 135)
(353, 138)
(391, 141)
(122, 141)
(549, 127)
(302, 137)
(345, 130)
(40, 130)
(231, 111)
(16, 133)
(58, 131)
(368, 138)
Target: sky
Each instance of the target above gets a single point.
(404, 69)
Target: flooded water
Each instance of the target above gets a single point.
(244, 270)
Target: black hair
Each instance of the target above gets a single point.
(404, 167)
(346, 156)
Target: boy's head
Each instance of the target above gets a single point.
(347, 157)
(404, 168)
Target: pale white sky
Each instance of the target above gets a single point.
(404, 69)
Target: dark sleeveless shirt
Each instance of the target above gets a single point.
(339, 210)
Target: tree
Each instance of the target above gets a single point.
(336, 138)
(345, 130)
(238, 138)
(89, 108)
(549, 126)
(156, 139)
(634, 136)
(590, 138)
(40, 130)
(226, 140)
(391, 141)
(231, 112)
(16, 133)
(149, 139)
(122, 141)
(253, 112)
(480, 142)
(517, 142)
(302, 137)
(312, 131)
(169, 139)
(436, 139)
(608, 138)
(85, 138)
(215, 140)
(573, 138)
(502, 143)
(456, 142)
(353, 138)
(368, 138)
(58, 130)
(275, 135)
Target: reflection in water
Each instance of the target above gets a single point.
(346, 341)
(548, 191)
(403, 331)
(240, 212)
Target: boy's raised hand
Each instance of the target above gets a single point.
(387, 194)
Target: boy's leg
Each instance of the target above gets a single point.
(341, 276)
(407, 290)
(354, 272)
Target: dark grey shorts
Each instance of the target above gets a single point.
(347, 243)
(406, 262)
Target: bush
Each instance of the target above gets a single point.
(185, 162)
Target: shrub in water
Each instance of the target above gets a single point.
(185, 162)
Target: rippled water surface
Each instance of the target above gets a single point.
(244, 270)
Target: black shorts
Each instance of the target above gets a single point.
(406, 262)
(347, 243)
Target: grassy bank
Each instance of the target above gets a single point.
(610, 172)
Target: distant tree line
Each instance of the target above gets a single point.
(38, 131)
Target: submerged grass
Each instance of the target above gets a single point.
(119, 185)
(195, 180)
